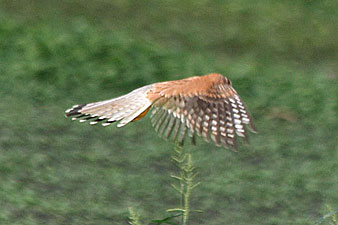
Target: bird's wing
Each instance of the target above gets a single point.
(125, 109)
(206, 105)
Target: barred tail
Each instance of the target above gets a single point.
(127, 108)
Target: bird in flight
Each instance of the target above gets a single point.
(204, 105)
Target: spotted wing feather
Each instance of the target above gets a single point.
(217, 114)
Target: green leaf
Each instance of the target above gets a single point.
(167, 220)
(176, 210)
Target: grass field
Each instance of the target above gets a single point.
(281, 57)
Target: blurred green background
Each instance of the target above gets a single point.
(282, 58)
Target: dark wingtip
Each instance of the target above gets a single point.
(74, 110)
(76, 114)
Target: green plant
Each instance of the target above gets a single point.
(185, 185)
(332, 216)
(133, 217)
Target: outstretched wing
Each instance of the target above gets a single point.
(207, 106)
(127, 108)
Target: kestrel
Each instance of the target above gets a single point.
(204, 105)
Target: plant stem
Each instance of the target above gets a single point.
(188, 190)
